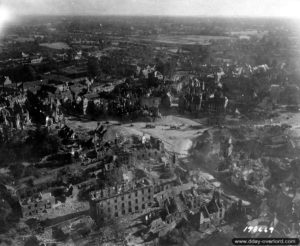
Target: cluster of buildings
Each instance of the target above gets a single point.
(95, 73)
(78, 188)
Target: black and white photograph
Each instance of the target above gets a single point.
(149, 122)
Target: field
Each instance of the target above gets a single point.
(56, 45)
(181, 39)
(249, 33)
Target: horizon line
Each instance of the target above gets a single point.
(156, 15)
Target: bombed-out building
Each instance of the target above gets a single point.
(114, 202)
(30, 185)
(209, 214)
(37, 204)
(125, 199)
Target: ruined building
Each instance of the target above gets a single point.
(216, 108)
(125, 199)
(119, 201)
(37, 204)
(212, 214)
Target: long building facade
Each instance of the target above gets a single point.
(115, 202)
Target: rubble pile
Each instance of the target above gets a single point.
(244, 154)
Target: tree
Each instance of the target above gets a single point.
(5, 210)
(115, 177)
(28, 73)
(42, 143)
(93, 66)
(32, 241)
(59, 235)
(111, 178)
(91, 108)
(2, 80)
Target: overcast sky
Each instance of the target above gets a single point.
(255, 8)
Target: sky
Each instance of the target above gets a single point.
(235, 8)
